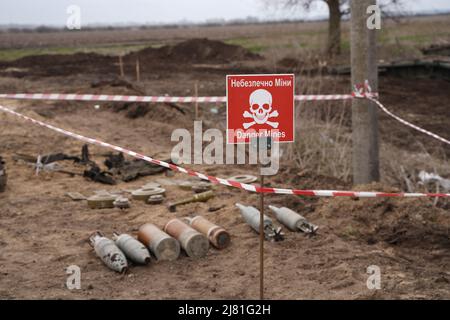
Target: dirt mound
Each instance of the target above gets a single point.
(197, 50)
(401, 222)
(63, 64)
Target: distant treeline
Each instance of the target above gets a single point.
(212, 23)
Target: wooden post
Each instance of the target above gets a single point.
(138, 71)
(364, 113)
(122, 74)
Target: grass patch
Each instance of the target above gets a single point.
(249, 44)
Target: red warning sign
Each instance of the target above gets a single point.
(260, 106)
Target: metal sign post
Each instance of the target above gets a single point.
(266, 144)
(260, 107)
(261, 241)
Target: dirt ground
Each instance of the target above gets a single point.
(42, 231)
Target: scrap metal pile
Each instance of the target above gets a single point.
(193, 235)
(118, 167)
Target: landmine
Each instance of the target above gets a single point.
(194, 243)
(145, 192)
(101, 201)
(163, 246)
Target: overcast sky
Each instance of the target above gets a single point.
(53, 12)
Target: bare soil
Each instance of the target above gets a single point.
(42, 231)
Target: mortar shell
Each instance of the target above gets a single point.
(194, 243)
(133, 249)
(217, 235)
(251, 215)
(291, 219)
(110, 254)
(163, 246)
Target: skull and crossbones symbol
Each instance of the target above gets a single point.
(260, 109)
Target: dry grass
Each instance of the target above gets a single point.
(324, 146)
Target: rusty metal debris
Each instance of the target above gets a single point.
(251, 215)
(218, 236)
(131, 170)
(200, 197)
(293, 221)
(132, 248)
(194, 243)
(108, 252)
(3, 176)
(163, 246)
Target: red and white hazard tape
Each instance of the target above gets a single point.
(161, 99)
(406, 123)
(230, 183)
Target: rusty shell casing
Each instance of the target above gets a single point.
(193, 242)
(133, 249)
(110, 254)
(217, 235)
(163, 246)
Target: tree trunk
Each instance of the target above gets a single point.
(334, 28)
(364, 113)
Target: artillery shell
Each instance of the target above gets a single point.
(293, 220)
(109, 253)
(144, 194)
(163, 246)
(101, 201)
(251, 215)
(132, 248)
(194, 243)
(218, 236)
